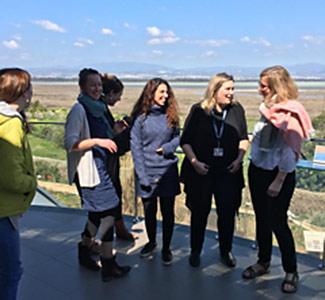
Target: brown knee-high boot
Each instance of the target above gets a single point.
(85, 259)
(110, 269)
(122, 232)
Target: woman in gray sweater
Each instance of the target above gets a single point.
(154, 139)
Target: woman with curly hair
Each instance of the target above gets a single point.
(154, 139)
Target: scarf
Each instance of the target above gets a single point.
(292, 118)
(97, 109)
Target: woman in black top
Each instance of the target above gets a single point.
(112, 93)
(214, 142)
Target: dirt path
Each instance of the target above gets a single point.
(57, 187)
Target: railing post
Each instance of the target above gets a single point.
(136, 218)
(321, 266)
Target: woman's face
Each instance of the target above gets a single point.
(264, 88)
(161, 94)
(225, 94)
(112, 98)
(93, 86)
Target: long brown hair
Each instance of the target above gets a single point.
(146, 100)
(14, 82)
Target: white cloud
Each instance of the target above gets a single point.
(154, 31)
(161, 37)
(17, 38)
(48, 25)
(264, 42)
(259, 41)
(107, 31)
(129, 26)
(311, 39)
(79, 44)
(12, 44)
(82, 42)
(245, 39)
(211, 42)
(157, 52)
(210, 54)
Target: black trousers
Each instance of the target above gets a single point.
(227, 196)
(271, 216)
(168, 218)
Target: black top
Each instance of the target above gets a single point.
(200, 135)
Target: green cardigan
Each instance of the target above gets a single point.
(17, 176)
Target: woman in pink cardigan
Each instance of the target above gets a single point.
(277, 139)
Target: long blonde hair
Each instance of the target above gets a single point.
(280, 83)
(215, 83)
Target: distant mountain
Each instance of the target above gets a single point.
(136, 70)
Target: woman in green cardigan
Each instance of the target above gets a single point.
(17, 177)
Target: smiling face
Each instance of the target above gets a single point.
(161, 94)
(93, 86)
(225, 94)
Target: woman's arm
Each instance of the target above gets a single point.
(235, 165)
(200, 167)
(14, 175)
(276, 185)
(90, 143)
(137, 152)
(170, 147)
(73, 128)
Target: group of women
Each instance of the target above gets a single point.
(214, 141)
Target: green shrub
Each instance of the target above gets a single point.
(48, 172)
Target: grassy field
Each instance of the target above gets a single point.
(63, 95)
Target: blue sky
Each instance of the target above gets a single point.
(184, 33)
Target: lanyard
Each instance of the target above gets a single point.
(218, 133)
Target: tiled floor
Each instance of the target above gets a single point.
(50, 236)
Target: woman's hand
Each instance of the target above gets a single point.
(276, 185)
(234, 166)
(200, 167)
(120, 126)
(107, 144)
(274, 188)
(160, 151)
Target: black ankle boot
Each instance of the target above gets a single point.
(110, 269)
(85, 259)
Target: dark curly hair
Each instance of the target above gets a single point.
(146, 100)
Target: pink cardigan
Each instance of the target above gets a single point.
(293, 119)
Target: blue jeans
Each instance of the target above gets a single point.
(10, 265)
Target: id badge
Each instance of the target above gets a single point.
(218, 152)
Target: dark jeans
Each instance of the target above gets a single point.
(10, 264)
(227, 196)
(271, 216)
(168, 218)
